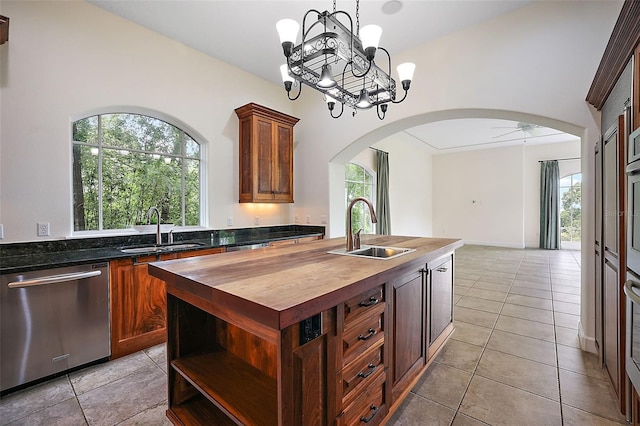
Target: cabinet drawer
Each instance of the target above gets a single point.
(369, 408)
(362, 371)
(357, 306)
(360, 336)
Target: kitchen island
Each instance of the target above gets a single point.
(296, 335)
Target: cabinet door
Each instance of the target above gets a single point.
(441, 298)
(283, 163)
(408, 329)
(264, 159)
(138, 306)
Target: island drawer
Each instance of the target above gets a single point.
(361, 372)
(369, 407)
(360, 336)
(361, 304)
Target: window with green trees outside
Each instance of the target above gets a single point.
(570, 211)
(123, 164)
(360, 183)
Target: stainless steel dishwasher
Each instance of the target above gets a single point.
(51, 321)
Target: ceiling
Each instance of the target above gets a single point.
(221, 28)
(479, 133)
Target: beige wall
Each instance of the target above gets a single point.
(410, 177)
(479, 196)
(492, 196)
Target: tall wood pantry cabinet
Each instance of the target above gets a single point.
(266, 155)
(615, 92)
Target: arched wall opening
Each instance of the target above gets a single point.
(337, 185)
(336, 165)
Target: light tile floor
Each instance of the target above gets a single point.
(513, 360)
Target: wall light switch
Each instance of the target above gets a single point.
(229, 221)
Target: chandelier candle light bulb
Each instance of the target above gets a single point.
(329, 40)
(370, 37)
(405, 73)
(288, 32)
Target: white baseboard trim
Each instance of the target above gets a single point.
(587, 344)
(494, 244)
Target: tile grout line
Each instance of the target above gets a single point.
(555, 349)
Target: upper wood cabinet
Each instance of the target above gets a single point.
(266, 155)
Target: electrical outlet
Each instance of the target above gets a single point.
(308, 218)
(256, 220)
(229, 221)
(323, 219)
(1, 232)
(43, 229)
(296, 219)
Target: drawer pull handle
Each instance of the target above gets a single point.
(372, 333)
(364, 419)
(371, 367)
(442, 269)
(372, 301)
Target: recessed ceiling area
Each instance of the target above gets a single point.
(478, 133)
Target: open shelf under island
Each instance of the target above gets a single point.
(294, 335)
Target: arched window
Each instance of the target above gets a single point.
(123, 164)
(360, 183)
(570, 212)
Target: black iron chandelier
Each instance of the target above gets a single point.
(329, 44)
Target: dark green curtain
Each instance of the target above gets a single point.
(549, 205)
(383, 226)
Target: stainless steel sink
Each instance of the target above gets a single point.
(375, 252)
(159, 249)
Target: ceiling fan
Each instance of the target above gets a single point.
(530, 129)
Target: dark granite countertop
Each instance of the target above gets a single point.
(30, 256)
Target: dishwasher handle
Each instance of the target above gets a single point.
(53, 279)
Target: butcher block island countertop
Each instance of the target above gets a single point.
(297, 335)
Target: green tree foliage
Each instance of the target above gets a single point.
(571, 214)
(144, 162)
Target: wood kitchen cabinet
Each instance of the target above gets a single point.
(139, 303)
(440, 299)
(409, 327)
(614, 190)
(266, 155)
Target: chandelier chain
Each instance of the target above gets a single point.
(358, 17)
